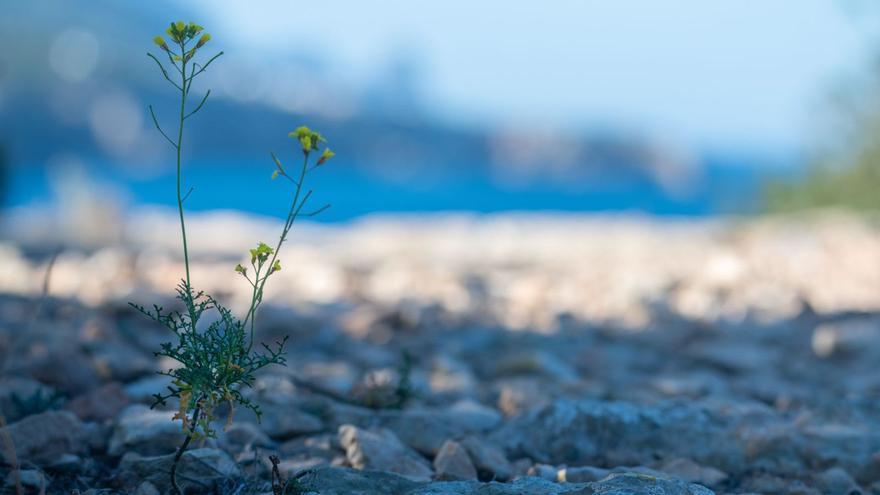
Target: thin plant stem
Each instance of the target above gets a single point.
(259, 284)
(181, 450)
(184, 90)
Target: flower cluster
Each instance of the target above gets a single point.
(182, 33)
(309, 141)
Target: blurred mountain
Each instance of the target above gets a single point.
(77, 84)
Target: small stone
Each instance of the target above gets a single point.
(30, 478)
(147, 488)
(688, 470)
(836, 481)
(46, 437)
(581, 474)
(283, 421)
(145, 431)
(101, 404)
(636, 483)
(381, 450)
(544, 471)
(244, 436)
(490, 461)
(453, 463)
(142, 390)
(199, 470)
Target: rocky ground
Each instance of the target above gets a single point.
(545, 355)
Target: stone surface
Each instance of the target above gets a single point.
(46, 437)
(145, 431)
(381, 450)
(490, 461)
(454, 463)
(335, 481)
(31, 479)
(739, 355)
(199, 471)
(593, 432)
(688, 470)
(283, 421)
(102, 404)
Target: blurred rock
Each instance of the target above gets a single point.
(453, 463)
(44, 438)
(836, 481)
(690, 471)
(200, 470)
(101, 404)
(65, 368)
(32, 479)
(382, 451)
(490, 461)
(142, 430)
(336, 481)
(283, 421)
(592, 432)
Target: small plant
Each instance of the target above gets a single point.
(216, 354)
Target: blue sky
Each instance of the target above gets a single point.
(712, 73)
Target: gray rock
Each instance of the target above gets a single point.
(690, 471)
(142, 390)
(145, 431)
(345, 481)
(516, 396)
(337, 481)
(490, 461)
(544, 471)
(244, 436)
(381, 450)
(618, 433)
(453, 463)
(102, 404)
(537, 362)
(46, 437)
(29, 478)
(120, 361)
(199, 470)
(62, 366)
(635, 484)
(426, 430)
(147, 488)
(581, 474)
(283, 421)
(836, 481)
(472, 416)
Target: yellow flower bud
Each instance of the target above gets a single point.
(306, 143)
(160, 42)
(275, 175)
(204, 39)
(326, 155)
(300, 132)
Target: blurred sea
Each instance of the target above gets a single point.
(355, 191)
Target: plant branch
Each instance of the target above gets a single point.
(164, 72)
(156, 122)
(202, 68)
(318, 211)
(199, 107)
